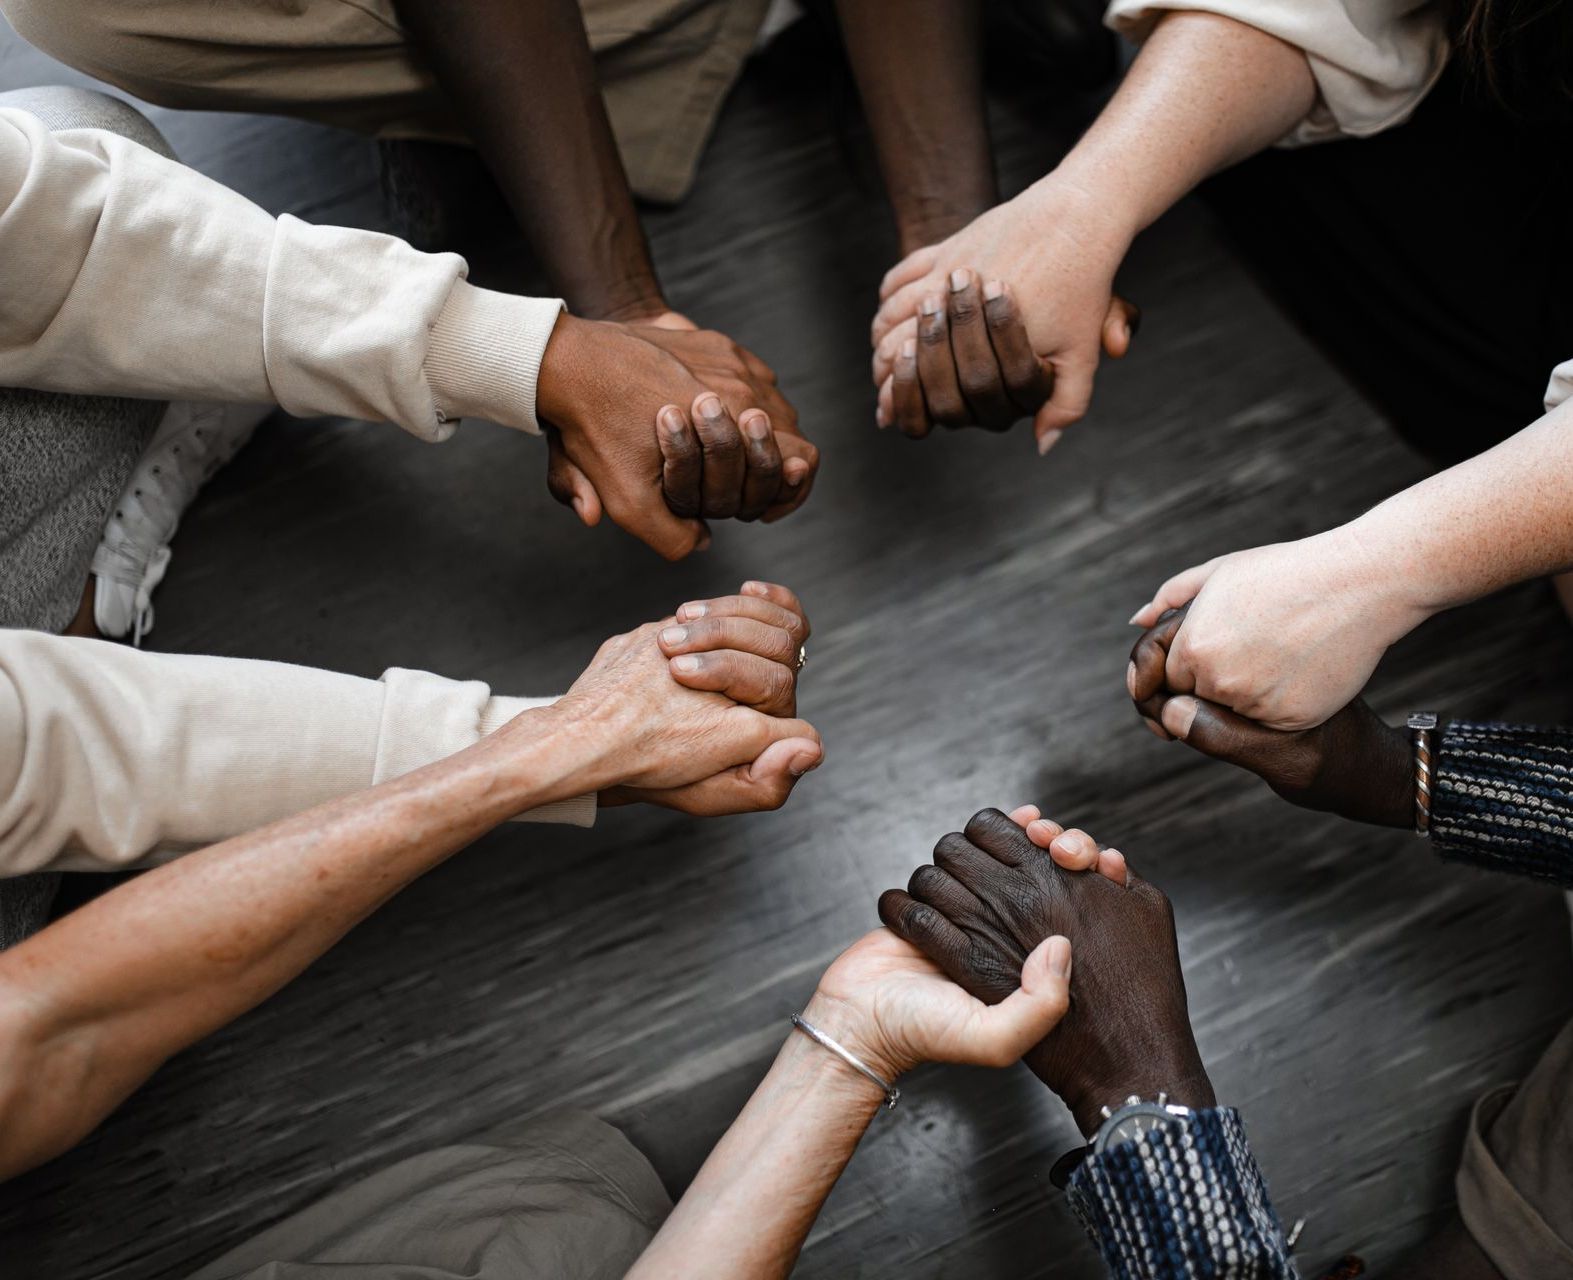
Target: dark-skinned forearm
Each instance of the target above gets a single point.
(92, 1005)
(919, 70)
(521, 77)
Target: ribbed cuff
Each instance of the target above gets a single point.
(484, 359)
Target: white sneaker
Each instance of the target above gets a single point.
(192, 442)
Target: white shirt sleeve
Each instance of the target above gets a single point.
(1374, 60)
(111, 757)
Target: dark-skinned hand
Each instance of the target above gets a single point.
(971, 363)
(664, 428)
(992, 896)
(1354, 764)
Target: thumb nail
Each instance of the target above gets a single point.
(1135, 618)
(803, 762)
(1060, 956)
(1130, 678)
(1179, 714)
(578, 506)
(1048, 440)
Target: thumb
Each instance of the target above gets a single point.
(1004, 1032)
(1178, 590)
(1220, 733)
(569, 485)
(1065, 407)
(1120, 324)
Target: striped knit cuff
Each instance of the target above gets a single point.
(1502, 799)
(1184, 1202)
(485, 355)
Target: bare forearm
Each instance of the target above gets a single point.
(753, 1203)
(1503, 517)
(523, 82)
(98, 1000)
(1205, 92)
(920, 74)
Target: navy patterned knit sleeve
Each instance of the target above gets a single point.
(1502, 798)
(1185, 1202)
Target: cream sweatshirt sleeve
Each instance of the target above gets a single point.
(1374, 60)
(113, 757)
(125, 273)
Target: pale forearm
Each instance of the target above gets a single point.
(1205, 92)
(1501, 518)
(753, 1203)
(919, 70)
(99, 999)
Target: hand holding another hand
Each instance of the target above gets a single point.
(1352, 764)
(992, 897)
(703, 722)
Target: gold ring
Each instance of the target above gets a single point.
(802, 656)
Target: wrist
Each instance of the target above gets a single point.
(485, 354)
(856, 1031)
(553, 754)
(1406, 577)
(1179, 1075)
(1079, 200)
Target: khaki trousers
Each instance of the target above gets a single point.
(665, 65)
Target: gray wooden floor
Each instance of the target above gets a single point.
(1349, 993)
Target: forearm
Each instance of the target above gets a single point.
(919, 70)
(99, 999)
(1205, 92)
(753, 1203)
(1503, 517)
(110, 755)
(523, 82)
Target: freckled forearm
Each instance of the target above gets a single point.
(119, 985)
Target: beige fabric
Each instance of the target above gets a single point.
(112, 757)
(1374, 60)
(125, 273)
(568, 1199)
(1515, 1182)
(665, 65)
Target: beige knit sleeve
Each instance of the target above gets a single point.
(125, 273)
(1374, 60)
(111, 757)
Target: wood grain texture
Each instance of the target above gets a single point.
(1351, 994)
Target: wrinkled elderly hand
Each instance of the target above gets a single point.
(664, 428)
(1286, 634)
(703, 722)
(990, 899)
(1354, 764)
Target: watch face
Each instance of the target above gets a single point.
(1132, 1122)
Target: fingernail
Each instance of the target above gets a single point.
(758, 427)
(909, 349)
(674, 635)
(1060, 956)
(694, 609)
(754, 588)
(578, 506)
(1135, 618)
(688, 663)
(993, 291)
(704, 542)
(803, 762)
(672, 420)
(1130, 678)
(958, 280)
(931, 306)
(1158, 730)
(1048, 440)
(879, 419)
(710, 407)
(795, 475)
(1179, 714)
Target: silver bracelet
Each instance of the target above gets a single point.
(1422, 724)
(892, 1094)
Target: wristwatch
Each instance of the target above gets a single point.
(1134, 1117)
(1121, 1124)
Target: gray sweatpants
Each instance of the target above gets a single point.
(64, 460)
